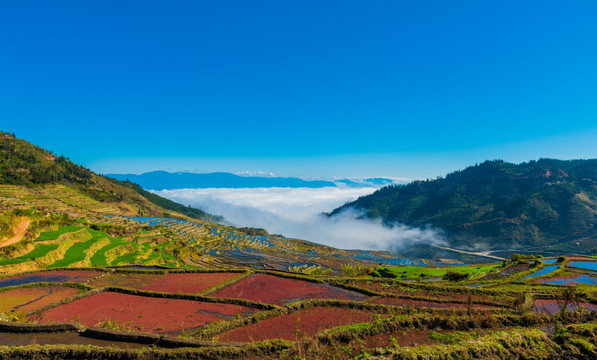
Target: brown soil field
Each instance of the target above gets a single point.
(30, 299)
(277, 290)
(304, 323)
(142, 313)
(191, 283)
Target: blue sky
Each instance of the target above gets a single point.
(304, 88)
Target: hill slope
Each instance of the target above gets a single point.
(539, 205)
(30, 167)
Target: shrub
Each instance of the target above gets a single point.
(456, 276)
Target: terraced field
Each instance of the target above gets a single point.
(58, 198)
(312, 317)
(79, 246)
(96, 273)
(209, 245)
(161, 241)
(151, 314)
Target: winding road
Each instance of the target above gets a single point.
(19, 230)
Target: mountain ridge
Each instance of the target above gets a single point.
(548, 204)
(163, 180)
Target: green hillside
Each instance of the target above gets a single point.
(24, 164)
(539, 205)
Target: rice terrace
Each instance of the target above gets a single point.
(297, 180)
(102, 271)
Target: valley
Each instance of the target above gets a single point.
(99, 268)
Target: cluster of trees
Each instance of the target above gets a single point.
(531, 203)
(22, 164)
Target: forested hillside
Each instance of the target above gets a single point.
(545, 205)
(22, 163)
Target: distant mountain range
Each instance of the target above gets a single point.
(538, 206)
(160, 180)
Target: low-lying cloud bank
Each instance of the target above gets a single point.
(296, 212)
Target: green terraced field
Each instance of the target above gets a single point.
(99, 258)
(417, 272)
(53, 235)
(74, 254)
(12, 261)
(40, 250)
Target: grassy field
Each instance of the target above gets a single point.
(74, 254)
(40, 251)
(418, 272)
(53, 235)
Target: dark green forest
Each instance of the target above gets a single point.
(538, 205)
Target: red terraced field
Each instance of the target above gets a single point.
(553, 306)
(425, 304)
(131, 280)
(188, 283)
(309, 321)
(143, 313)
(400, 291)
(277, 290)
(30, 299)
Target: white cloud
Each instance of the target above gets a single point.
(296, 212)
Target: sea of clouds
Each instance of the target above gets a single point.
(297, 213)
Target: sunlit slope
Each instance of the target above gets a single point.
(37, 177)
(539, 205)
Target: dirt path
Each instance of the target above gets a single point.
(482, 253)
(19, 231)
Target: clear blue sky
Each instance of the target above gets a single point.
(307, 88)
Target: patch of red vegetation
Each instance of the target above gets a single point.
(30, 299)
(398, 291)
(425, 304)
(134, 281)
(555, 306)
(143, 313)
(191, 283)
(304, 323)
(277, 290)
